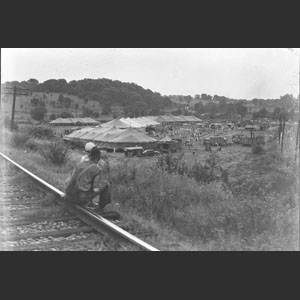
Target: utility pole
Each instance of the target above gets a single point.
(13, 110)
(15, 91)
(0, 82)
(298, 129)
(298, 135)
(282, 135)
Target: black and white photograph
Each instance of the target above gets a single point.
(149, 149)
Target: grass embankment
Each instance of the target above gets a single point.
(256, 217)
(191, 212)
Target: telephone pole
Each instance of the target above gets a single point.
(298, 136)
(13, 110)
(0, 82)
(298, 129)
(15, 92)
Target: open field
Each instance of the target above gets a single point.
(23, 106)
(257, 209)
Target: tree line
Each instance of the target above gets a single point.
(138, 101)
(227, 109)
(132, 97)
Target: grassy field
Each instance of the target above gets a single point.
(256, 208)
(23, 106)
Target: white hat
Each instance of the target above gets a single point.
(89, 146)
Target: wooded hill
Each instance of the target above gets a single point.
(97, 98)
(133, 98)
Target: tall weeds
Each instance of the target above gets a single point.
(55, 151)
(206, 209)
(207, 172)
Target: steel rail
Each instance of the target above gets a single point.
(98, 222)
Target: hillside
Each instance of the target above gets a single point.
(98, 95)
(104, 99)
(25, 104)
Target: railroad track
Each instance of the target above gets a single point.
(33, 217)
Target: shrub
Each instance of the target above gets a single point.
(124, 172)
(96, 115)
(18, 140)
(34, 102)
(52, 117)
(7, 124)
(38, 113)
(209, 211)
(207, 172)
(55, 151)
(65, 114)
(32, 144)
(41, 132)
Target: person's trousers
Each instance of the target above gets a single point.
(105, 197)
(84, 198)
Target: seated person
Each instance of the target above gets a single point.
(86, 182)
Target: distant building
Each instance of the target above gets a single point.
(62, 126)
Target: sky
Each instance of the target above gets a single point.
(244, 73)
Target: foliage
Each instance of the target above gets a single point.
(52, 103)
(86, 112)
(32, 144)
(52, 117)
(96, 115)
(40, 132)
(221, 107)
(202, 211)
(210, 213)
(241, 109)
(65, 114)
(60, 99)
(64, 101)
(42, 104)
(262, 113)
(34, 102)
(7, 124)
(38, 113)
(33, 81)
(137, 109)
(18, 140)
(55, 151)
(205, 173)
(106, 110)
(67, 102)
(104, 91)
(206, 97)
